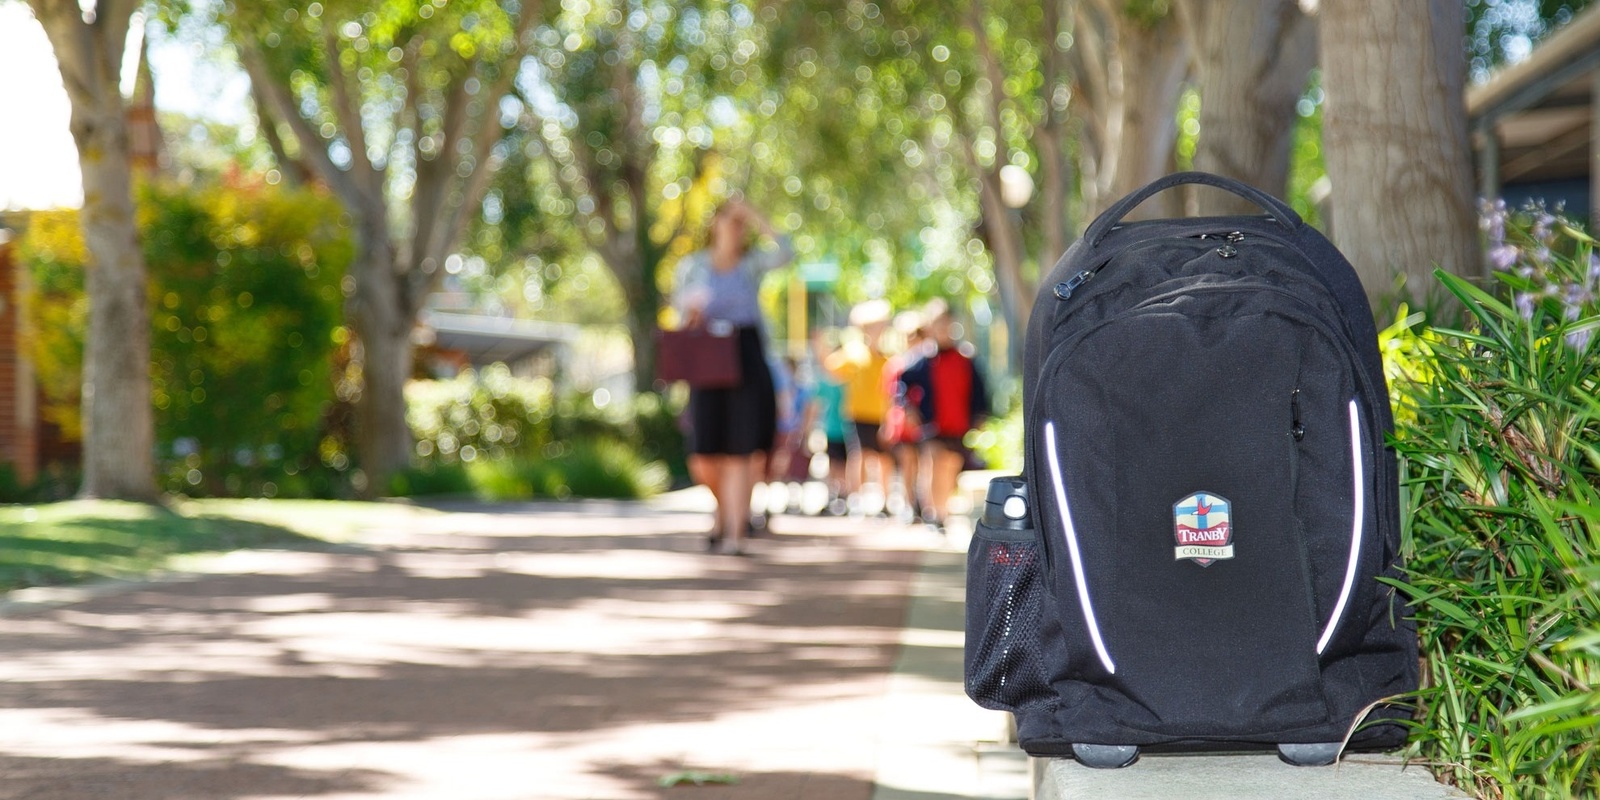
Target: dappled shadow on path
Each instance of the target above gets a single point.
(565, 654)
(49, 778)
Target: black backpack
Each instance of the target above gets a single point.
(1192, 557)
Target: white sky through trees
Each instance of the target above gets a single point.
(38, 161)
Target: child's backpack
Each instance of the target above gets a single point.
(1201, 549)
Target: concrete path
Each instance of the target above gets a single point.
(583, 650)
(937, 744)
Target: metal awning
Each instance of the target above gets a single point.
(489, 340)
(1533, 122)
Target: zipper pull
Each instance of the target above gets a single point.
(1235, 237)
(1064, 290)
(1296, 429)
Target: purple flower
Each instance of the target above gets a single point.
(1579, 339)
(1542, 222)
(1492, 219)
(1503, 256)
(1524, 302)
(1540, 255)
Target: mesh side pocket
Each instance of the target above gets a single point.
(1005, 600)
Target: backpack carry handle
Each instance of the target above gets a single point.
(1280, 212)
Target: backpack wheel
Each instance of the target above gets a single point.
(1320, 754)
(1105, 756)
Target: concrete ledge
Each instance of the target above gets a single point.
(1236, 777)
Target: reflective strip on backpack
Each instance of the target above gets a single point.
(1358, 487)
(1071, 536)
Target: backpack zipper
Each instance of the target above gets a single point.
(1065, 289)
(1296, 428)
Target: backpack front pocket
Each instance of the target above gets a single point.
(1005, 605)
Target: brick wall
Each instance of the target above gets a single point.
(19, 437)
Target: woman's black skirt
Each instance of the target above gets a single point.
(741, 420)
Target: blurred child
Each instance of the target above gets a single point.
(790, 464)
(830, 412)
(859, 365)
(901, 433)
(953, 401)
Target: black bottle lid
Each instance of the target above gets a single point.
(1006, 504)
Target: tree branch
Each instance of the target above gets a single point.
(1091, 56)
(537, 123)
(428, 195)
(347, 110)
(73, 42)
(1053, 167)
(996, 97)
(409, 117)
(295, 170)
(456, 99)
(605, 206)
(112, 20)
(683, 214)
(313, 148)
(488, 134)
(434, 175)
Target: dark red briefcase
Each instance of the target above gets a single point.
(706, 358)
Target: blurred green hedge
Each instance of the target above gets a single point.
(245, 308)
(498, 437)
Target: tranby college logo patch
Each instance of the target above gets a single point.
(1203, 527)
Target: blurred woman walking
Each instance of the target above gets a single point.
(731, 430)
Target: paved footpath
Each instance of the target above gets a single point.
(582, 650)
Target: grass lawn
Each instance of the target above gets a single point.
(77, 541)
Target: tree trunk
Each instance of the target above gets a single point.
(382, 321)
(633, 262)
(1252, 59)
(642, 328)
(644, 299)
(383, 438)
(1129, 73)
(1395, 135)
(1153, 63)
(1004, 238)
(119, 430)
(1055, 172)
(1001, 223)
(119, 438)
